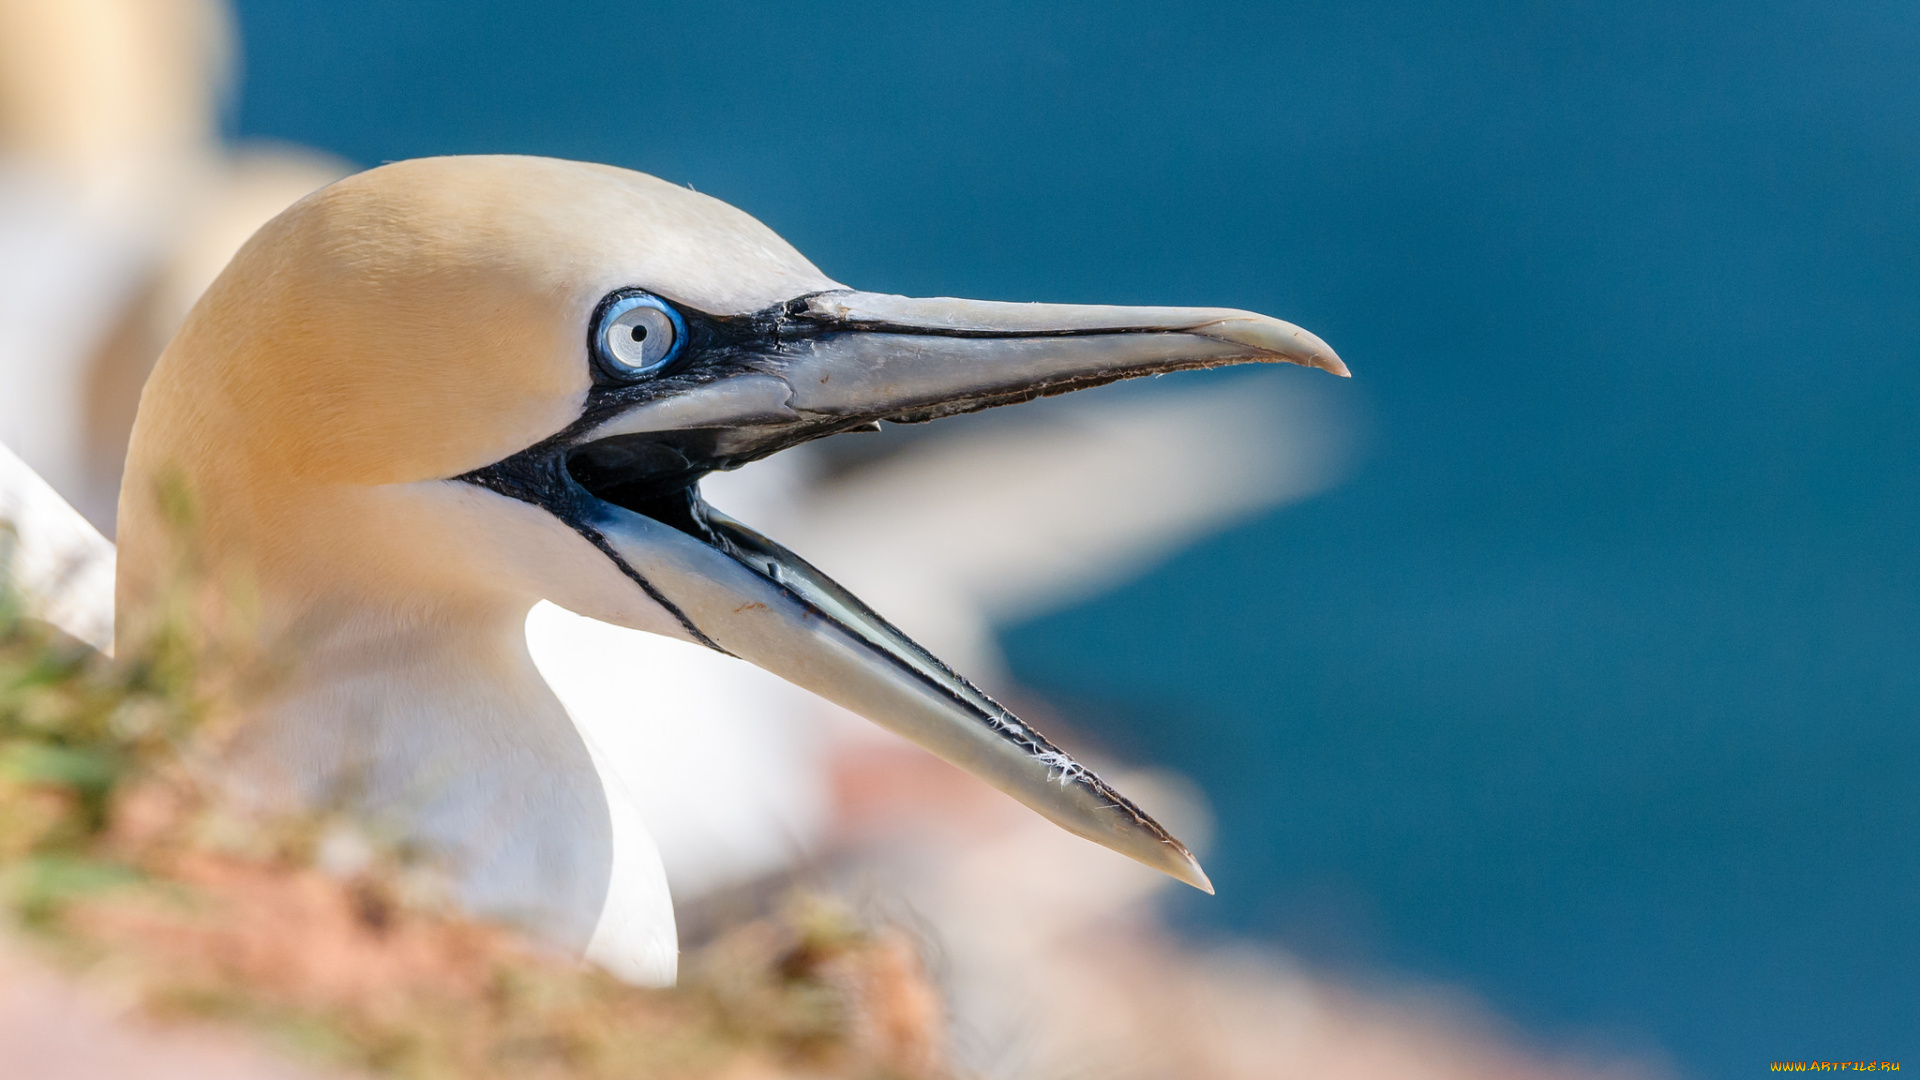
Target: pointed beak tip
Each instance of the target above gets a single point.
(1334, 364)
(1311, 351)
(1183, 867)
(1197, 877)
(1278, 341)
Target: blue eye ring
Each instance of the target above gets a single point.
(627, 334)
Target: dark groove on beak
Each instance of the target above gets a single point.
(593, 537)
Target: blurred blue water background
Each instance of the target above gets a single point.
(1594, 690)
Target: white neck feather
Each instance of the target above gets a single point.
(441, 725)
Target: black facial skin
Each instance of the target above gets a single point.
(653, 473)
(650, 474)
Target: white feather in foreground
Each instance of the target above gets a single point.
(60, 566)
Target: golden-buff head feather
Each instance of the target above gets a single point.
(408, 324)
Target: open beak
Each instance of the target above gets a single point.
(626, 477)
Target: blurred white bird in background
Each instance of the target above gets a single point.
(118, 205)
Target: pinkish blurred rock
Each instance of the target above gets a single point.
(53, 1029)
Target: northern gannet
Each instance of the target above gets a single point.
(430, 395)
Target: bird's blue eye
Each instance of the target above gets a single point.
(637, 334)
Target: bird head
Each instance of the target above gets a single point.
(461, 385)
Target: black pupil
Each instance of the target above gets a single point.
(639, 332)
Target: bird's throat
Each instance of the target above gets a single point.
(440, 729)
